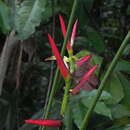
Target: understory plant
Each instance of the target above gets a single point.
(88, 90)
(76, 71)
(82, 92)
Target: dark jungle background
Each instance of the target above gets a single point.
(102, 26)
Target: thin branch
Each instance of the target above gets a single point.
(18, 67)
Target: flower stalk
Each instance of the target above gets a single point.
(65, 97)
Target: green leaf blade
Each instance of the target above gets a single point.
(4, 18)
(29, 16)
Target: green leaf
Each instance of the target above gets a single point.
(95, 39)
(128, 10)
(126, 50)
(65, 6)
(126, 87)
(123, 66)
(82, 53)
(119, 111)
(29, 16)
(4, 18)
(78, 113)
(85, 98)
(105, 96)
(100, 107)
(90, 38)
(115, 88)
(88, 4)
(127, 127)
(97, 60)
(84, 18)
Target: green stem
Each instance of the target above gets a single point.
(62, 54)
(102, 85)
(72, 65)
(66, 97)
(66, 94)
(51, 96)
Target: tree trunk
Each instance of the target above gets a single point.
(10, 43)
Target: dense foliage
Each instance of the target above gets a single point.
(102, 26)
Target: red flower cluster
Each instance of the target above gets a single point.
(64, 71)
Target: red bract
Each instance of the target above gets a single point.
(63, 28)
(68, 46)
(49, 123)
(74, 32)
(83, 60)
(64, 71)
(83, 80)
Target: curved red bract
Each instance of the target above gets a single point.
(64, 71)
(49, 123)
(83, 80)
(63, 28)
(83, 60)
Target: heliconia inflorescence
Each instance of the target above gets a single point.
(64, 71)
(48, 123)
(83, 80)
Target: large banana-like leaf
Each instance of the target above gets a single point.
(4, 18)
(28, 16)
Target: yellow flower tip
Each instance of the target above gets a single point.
(50, 58)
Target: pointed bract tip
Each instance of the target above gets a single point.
(64, 71)
(74, 32)
(83, 60)
(63, 28)
(90, 72)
